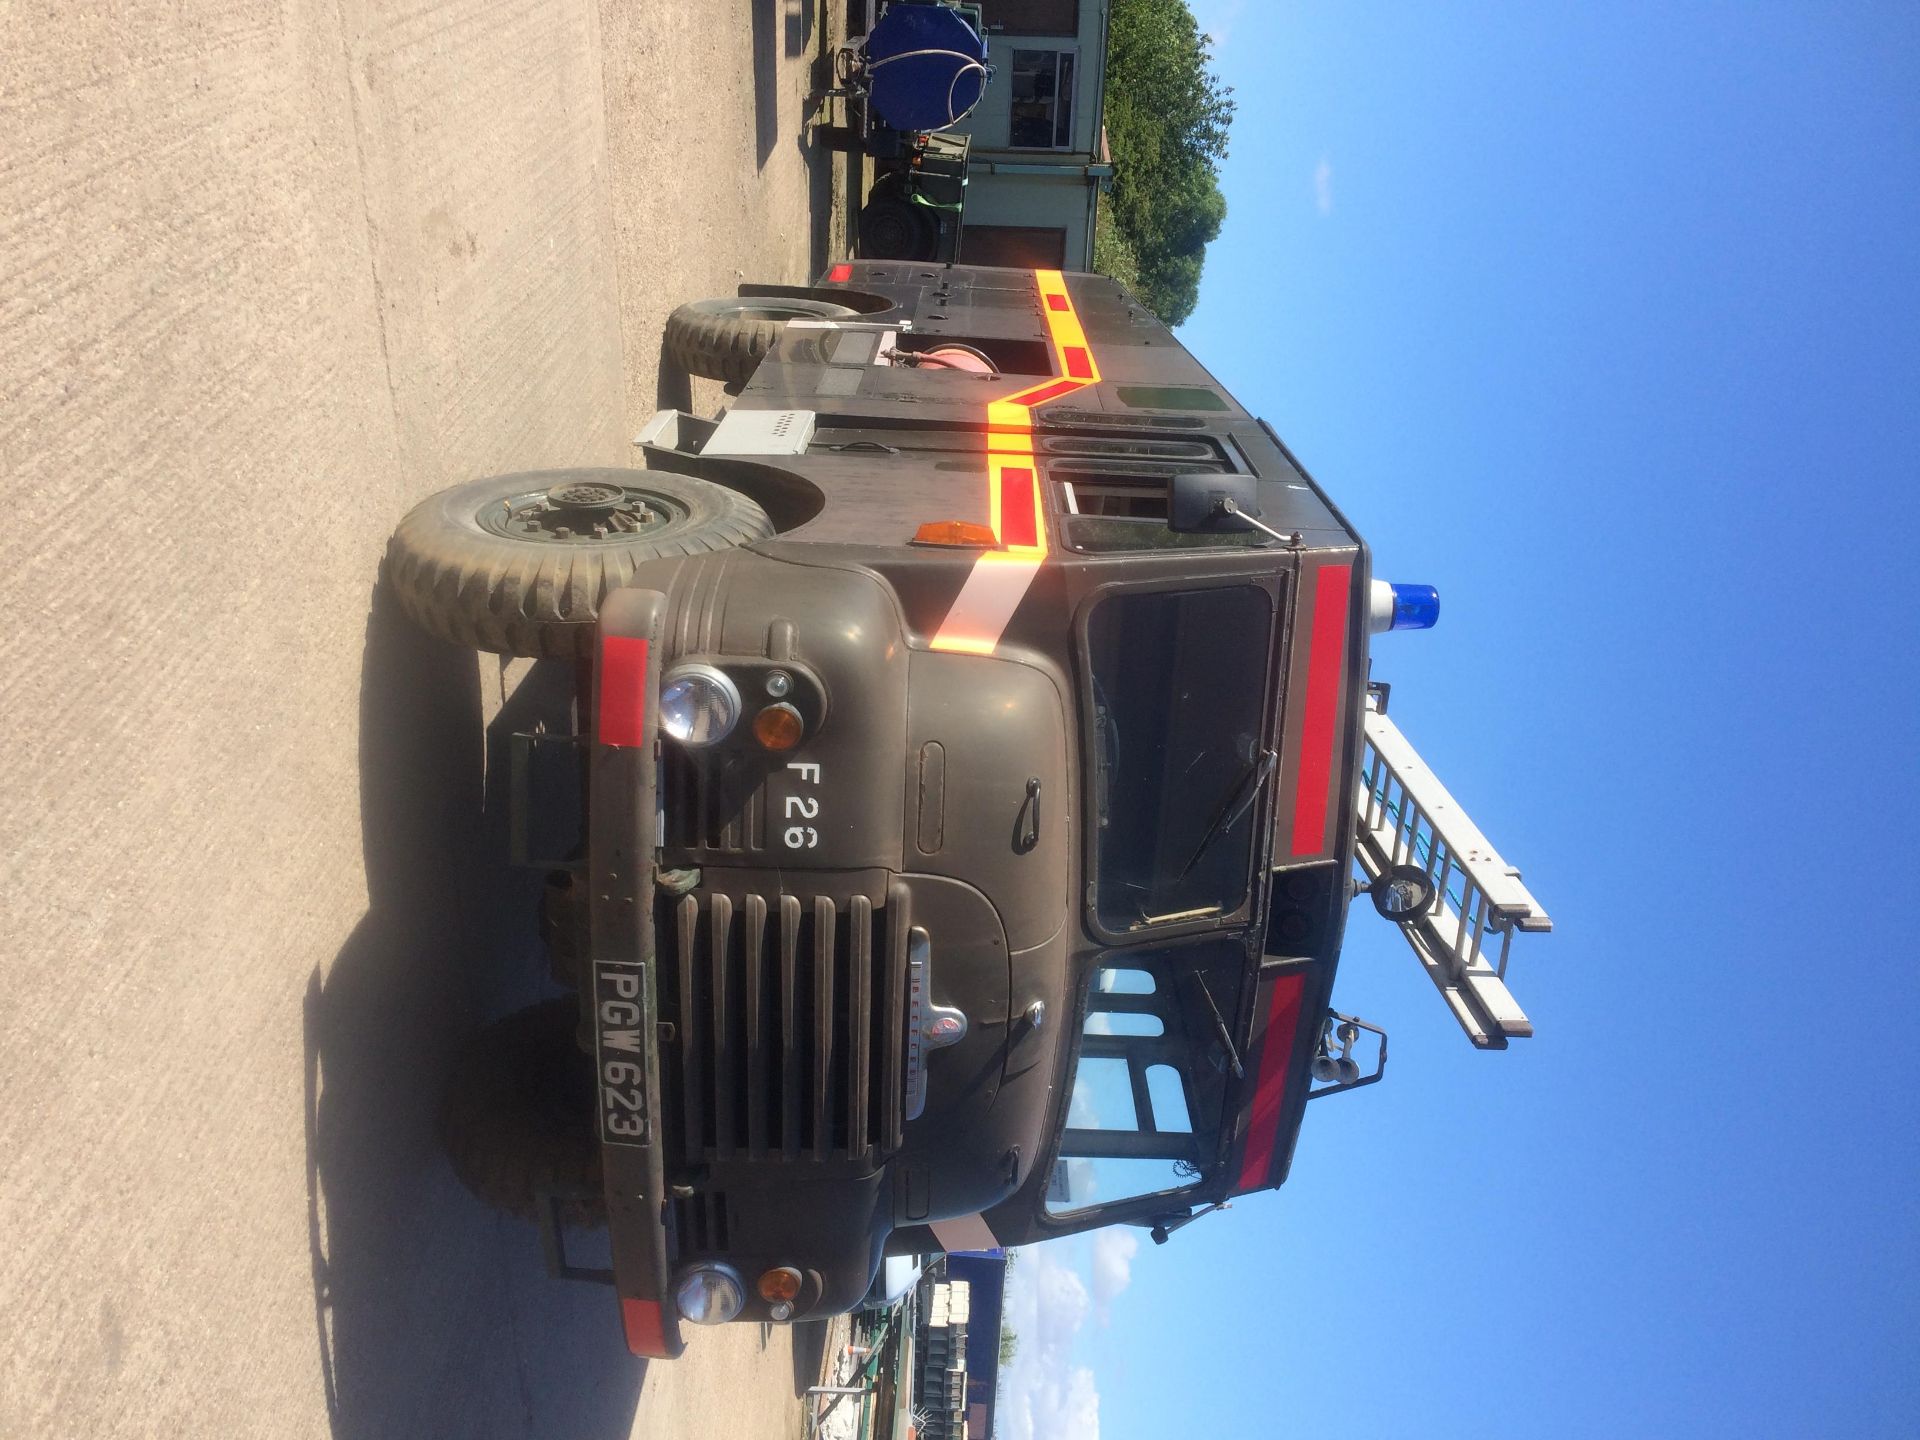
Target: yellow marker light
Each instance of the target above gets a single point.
(782, 1283)
(779, 727)
(953, 532)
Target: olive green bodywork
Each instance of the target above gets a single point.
(942, 798)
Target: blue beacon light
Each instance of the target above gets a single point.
(1403, 607)
(1415, 607)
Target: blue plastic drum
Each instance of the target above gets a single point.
(926, 67)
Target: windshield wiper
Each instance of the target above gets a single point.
(1219, 1025)
(1239, 800)
(1106, 744)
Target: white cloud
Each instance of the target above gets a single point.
(1323, 186)
(1113, 1252)
(1043, 1394)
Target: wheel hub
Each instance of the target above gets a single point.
(585, 495)
(577, 511)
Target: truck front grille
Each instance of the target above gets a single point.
(712, 803)
(790, 1024)
(700, 1223)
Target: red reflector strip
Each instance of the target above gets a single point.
(1056, 302)
(1053, 390)
(1326, 654)
(623, 690)
(1270, 1089)
(646, 1334)
(1018, 523)
(1079, 362)
(840, 274)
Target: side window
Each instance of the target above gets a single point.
(1122, 503)
(1170, 397)
(1130, 1127)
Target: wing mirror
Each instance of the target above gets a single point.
(1201, 502)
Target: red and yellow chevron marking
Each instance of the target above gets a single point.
(1015, 508)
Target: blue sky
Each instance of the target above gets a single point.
(1605, 320)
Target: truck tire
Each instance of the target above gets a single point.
(726, 339)
(895, 229)
(513, 563)
(518, 1117)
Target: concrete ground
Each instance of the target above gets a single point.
(270, 273)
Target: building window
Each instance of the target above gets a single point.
(1042, 115)
(1032, 17)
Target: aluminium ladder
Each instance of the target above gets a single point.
(1407, 817)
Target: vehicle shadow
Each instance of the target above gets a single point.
(672, 386)
(826, 163)
(809, 1355)
(766, 80)
(822, 164)
(434, 1316)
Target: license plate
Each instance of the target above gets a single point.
(622, 1044)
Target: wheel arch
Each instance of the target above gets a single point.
(789, 500)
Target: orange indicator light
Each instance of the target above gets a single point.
(779, 727)
(780, 1283)
(953, 532)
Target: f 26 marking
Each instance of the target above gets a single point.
(802, 807)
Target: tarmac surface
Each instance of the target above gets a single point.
(269, 274)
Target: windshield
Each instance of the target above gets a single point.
(1177, 763)
(1151, 1077)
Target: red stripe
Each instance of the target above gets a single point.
(646, 1334)
(1017, 522)
(1057, 302)
(840, 274)
(1270, 1089)
(623, 690)
(1049, 392)
(1326, 656)
(1079, 363)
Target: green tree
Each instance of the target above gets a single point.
(1009, 1345)
(1168, 117)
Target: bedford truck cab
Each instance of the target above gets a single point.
(971, 834)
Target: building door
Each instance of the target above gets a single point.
(1020, 247)
(1031, 17)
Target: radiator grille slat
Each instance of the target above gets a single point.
(692, 1076)
(755, 934)
(720, 949)
(859, 1018)
(893, 1024)
(790, 1087)
(824, 1025)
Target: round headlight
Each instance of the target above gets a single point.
(710, 1294)
(699, 705)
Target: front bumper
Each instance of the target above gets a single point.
(622, 985)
